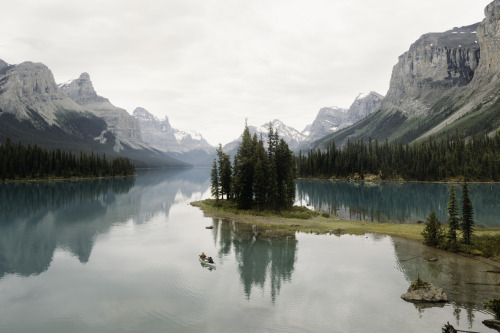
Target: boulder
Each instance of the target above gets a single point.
(422, 291)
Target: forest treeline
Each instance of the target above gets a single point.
(475, 159)
(19, 162)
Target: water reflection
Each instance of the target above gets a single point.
(466, 281)
(37, 218)
(258, 257)
(395, 202)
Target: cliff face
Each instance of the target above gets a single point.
(489, 38)
(434, 64)
(30, 87)
(160, 135)
(125, 127)
(446, 83)
(363, 106)
(332, 119)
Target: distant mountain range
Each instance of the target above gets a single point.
(328, 121)
(446, 83)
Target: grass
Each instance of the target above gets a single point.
(486, 242)
(305, 220)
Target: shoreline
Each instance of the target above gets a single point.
(35, 180)
(276, 225)
(378, 180)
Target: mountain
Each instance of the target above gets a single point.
(327, 121)
(332, 119)
(35, 110)
(188, 147)
(445, 83)
(125, 127)
(292, 137)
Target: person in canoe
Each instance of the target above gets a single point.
(210, 260)
(203, 255)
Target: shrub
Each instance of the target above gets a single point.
(494, 306)
(432, 232)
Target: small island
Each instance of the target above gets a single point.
(423, 291)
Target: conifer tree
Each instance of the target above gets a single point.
(261, 185)
(214, 177)
(432, 232)
(244, 167)
(273, 192)
(453, 220)
(225, 173)
(467, 215)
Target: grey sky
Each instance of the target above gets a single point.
(209, 64)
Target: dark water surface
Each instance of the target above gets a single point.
(397, 202)
(121, 256)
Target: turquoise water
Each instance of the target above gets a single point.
(396, 202)
(122, 256)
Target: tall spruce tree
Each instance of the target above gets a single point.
(244, 167)
(467, 215)
(273, 193)
(214, 177)
(453, 219)
(225, 173)
(285, 167)
(261, 184)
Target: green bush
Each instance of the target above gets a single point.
(494, 306)
(432, 232)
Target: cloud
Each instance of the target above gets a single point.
(208, 65)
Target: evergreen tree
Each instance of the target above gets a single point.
(467, 215)
(453, 220)
(285, 175)
(432, 232)
(225, 173)
(214, 177)
(244, 167)
(261, 185)
(273, 191)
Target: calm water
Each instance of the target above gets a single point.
(121, 256)
(396, 202)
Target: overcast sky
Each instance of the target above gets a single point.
(209, 64)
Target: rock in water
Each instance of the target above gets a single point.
(426, 293)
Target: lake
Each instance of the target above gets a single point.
(396, 202)
(121, 255)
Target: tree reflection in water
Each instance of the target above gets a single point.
(259, 257)
(466, 281)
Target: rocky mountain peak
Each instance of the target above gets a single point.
(3, 64)
(160, 135)
(82, 91)
(434, 64)
(363, 105)
(144, 115)
(488, 34)
(31, 86)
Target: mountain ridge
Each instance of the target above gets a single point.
(446, 84)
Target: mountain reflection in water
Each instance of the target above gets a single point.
(36, 218)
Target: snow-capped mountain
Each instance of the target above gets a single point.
(187, 146)
(292, 137)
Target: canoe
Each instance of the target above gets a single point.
(205, 262)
